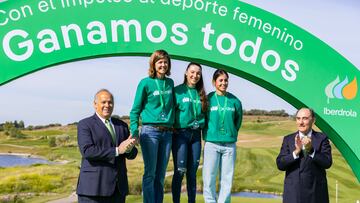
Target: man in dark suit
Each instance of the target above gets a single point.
(104, 143)
(305, 155)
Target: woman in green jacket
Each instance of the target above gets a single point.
(154, 102)
(190, 107)
(223, 122)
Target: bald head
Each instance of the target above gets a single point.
(310, 110)
(102, 91)
(305, 119)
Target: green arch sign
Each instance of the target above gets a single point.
(246, 41)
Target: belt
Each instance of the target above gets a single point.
(178, 130)
(163, 128)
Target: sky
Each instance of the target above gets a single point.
(64, 93)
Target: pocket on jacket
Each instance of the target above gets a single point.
(88, 169)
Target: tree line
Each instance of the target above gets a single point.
(13, 128)
(259, 112)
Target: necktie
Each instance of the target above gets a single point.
(305, 152)
(303, 149)
(111, 130)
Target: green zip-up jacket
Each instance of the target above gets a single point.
(147, 103)
(184, 112)
(232, 119)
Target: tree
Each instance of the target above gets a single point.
(12, 131)
(16, 124)
(30, 127)
(7, 127)
(21, 124)
(52, 142)
(116, 116)
(16, 133)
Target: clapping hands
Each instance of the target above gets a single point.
(306, 142)
(302, 143)
(298, 145)
(127, 145)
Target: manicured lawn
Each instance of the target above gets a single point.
(200, 199)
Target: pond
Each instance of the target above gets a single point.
(7, 160)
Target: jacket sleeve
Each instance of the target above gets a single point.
(90, 150)
(323, 156)
(239, 115)
(285, 158)
(137, 109)
(132, 154)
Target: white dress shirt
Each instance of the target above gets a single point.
(112, 126)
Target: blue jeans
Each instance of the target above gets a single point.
(218, 156)
(186, 151)
(155, 146)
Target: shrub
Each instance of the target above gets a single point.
(62, 140)
(16, 133)
(52, 142)
(30, 183)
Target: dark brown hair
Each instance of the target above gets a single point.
(219, 72)
(199, 87)
(312, 113)
(157, 55)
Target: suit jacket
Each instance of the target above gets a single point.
(305, 178)
(101, 170)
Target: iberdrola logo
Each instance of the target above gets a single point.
(341, 90)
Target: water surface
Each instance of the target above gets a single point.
(16, 160)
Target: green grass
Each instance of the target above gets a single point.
(272, 128)
(38, 178)
(200, 199)
(259, 143)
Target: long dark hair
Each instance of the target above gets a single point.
(199, 87)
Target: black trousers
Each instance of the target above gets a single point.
(114, 198)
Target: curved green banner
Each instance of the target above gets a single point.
(246, 41)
